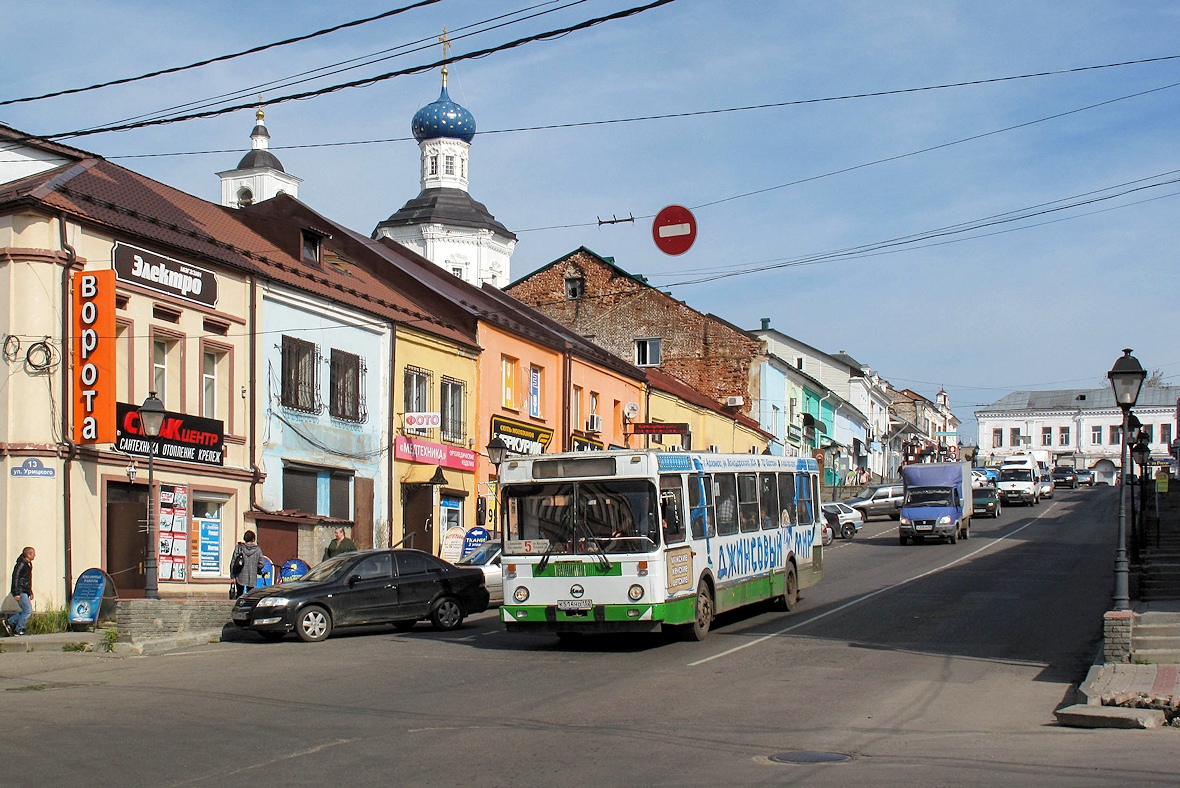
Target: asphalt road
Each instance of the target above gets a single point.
(929, 664)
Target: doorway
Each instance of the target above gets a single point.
(126, 532)
(418, 517)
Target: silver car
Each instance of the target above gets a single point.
(1047, 485)
(850, 520)
(487, 558)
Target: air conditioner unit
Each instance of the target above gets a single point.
(735, 402)
(594, 423)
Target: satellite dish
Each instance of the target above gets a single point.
(631, 410)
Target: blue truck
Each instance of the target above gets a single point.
(936, 502)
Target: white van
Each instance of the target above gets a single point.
(1020, 480)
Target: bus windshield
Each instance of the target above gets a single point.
(581, 518)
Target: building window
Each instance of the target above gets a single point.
(1046, 436)
(1147, 430)
(1116, 434)
(434, 164)
(575, 287)
(452, 394)
(647, 352)
(123, 384)
(212, 403)
(1014, 437)
(346, 383)
(576, 407)
(593, 403)
(1063, 436)
(310, 246)
(166, 364)
(417, 399)
(509, 371)
(340, 495)
(457, 271)
(799, 362)
(301, 491)
(245, 197)
(1166, 434)
(775, 413)
(535, 392)
(300, 383)
(997, 437)
(449, 165)
(1096, 435)
(463, 167)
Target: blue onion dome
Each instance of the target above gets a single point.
(443, 118)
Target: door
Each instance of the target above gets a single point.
(419, 581)
(418, 517)
(126, 545)
(368, 594)
(362, 512)
(280, 542)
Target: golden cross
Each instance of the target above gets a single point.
(446, 43)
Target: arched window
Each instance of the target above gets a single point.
(245, 197)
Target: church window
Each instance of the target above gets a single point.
(457, 270)
(434, 164)
(449, 165)
(463, 167)
(245, 197)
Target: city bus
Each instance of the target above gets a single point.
(640, 541)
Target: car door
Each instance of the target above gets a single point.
(368, 593)
(420, 578)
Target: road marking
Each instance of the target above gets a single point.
(872, 594)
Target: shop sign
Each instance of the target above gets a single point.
(452, 546)
(658, 428)
(94, 357)
(94, 593)
(182, 437)
(164, 274)
(794, 433)
(172, 533)
(578, 443)
(474, 539)
(520, 437)
(433, 453)
(32, 468)
(208, 546)
(423, 421)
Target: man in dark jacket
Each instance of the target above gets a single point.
(22, 591)
(341, 544)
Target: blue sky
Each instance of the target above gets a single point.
(1046, 306)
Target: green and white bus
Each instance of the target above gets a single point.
(635, 541)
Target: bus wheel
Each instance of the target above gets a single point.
(703, 619)
(790, 598)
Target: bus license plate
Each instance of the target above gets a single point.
(574, 604)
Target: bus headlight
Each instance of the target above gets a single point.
(635, 592)
(521, 594)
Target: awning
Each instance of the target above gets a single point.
(425, 474)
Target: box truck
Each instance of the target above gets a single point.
(937, 502)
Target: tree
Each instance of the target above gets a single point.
(1155, 379)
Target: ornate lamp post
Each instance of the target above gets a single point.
(497, 451)
(151, 418)
(1126, 377)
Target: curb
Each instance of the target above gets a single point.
(160, 645)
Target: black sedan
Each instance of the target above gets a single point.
(399, 587)
(1064, 476)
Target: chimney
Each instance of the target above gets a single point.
(766, 324)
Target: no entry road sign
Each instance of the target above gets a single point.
(674, 229)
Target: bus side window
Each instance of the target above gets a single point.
(671, 509)
(803, 486)
(700, 501)
(786, 498)
(725, 495)
(748, 502)
(768, 495)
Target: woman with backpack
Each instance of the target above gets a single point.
(245, 565)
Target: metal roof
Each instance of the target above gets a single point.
(1085, 399)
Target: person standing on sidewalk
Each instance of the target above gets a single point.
(246, 564)
(22, 591)
(341, 544)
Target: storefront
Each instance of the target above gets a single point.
(437, 490)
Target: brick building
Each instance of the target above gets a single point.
(621, 312)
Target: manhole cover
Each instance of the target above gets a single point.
(810, 757)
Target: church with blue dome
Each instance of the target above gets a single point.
(444, 223)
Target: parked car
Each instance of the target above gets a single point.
(831, 523)
(849, 521)
(986, 502)
(881, 499)
(992, 474)
(1085, 476)
(391, 586)
(487, 558)
(1047, 485)
(1065, 476)
(980, 479)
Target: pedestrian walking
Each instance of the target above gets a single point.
(245, 565)
(340, 544)
(22, 592)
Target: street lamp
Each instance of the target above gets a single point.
(497, 451)
(151, 418)
(1126, 377)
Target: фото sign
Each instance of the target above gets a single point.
(182, 437)
(94, 357)
(423, 421)
(164, 274)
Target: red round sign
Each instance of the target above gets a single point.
(674, 229)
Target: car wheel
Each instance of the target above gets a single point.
(903, 540)
(405, 626)
(313, 624)
(273, 637)
(895, 517)
(447, 614)
(954, 537)
(847, 531)
(703, 614)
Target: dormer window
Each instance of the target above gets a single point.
(575, 287)
(311, 246)
(245, 197)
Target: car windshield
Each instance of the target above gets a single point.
(486, 553)
(1016, 475)
(866, 493)
(941, 497)
(983, 496)
(582, 518)
(327, 569)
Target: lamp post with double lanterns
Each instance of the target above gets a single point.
(151, 419)
(497, 452)
(1126, 378)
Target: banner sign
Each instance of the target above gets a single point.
(452, 546)
(164, 274)
(433, 453)
(208, 546)
(182, 437)
(93, 588)
(578, 443)
(658, 428)
(94, 357)
(520, 437)
(172, 533)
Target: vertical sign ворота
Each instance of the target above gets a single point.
(94, 357)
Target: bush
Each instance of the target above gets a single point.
(48, 621)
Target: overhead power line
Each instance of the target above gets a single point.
(221, 58)
(367, 80)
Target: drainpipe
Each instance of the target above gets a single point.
(252, 406)
(391, 427)
(71, 448)
(566, 381)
